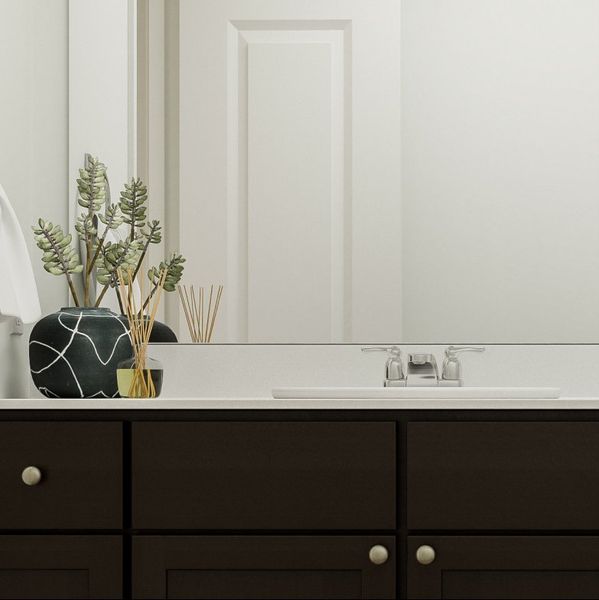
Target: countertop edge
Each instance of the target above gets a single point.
(297, 404)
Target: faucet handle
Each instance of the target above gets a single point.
(451, 351)
(452, 369)
(393, 350)
(394, 371)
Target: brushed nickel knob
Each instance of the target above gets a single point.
(378, 555)
(425, 555)
(31, 476)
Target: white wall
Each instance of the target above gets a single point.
(500, 170)
(102, 88)
(68, 80)
(33, 146)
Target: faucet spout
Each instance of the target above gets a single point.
(422, 370)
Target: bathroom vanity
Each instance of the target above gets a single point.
(180, 499)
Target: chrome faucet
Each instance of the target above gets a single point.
(422, 368)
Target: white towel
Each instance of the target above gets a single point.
(18, 292)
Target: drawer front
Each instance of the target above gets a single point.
(504, 568)
(40, 567)
(264, 475)
(80, 465)
(262, 567)
(492, 475)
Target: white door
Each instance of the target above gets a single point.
(289, 166)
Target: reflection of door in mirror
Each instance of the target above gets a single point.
(382, 171)
(288, 170)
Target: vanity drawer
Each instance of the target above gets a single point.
(264, 567)
(503, 475)
(264, 475)
(503, 567)
(80, 465)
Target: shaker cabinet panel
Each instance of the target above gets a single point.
(503, 475)
(264, 475)
(262, 568)
(69, 567)
(60, 475)
(503, 568)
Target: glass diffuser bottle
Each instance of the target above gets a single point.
(135, 382)
(139, 376)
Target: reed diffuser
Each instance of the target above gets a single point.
(201, 310)
(140, 376)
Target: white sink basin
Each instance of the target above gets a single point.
(416, 392)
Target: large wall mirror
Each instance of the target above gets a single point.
(353, 171)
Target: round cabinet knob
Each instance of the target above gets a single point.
(31, 476)
(425, 555)
(378, 555)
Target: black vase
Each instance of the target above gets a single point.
(74, 353)
(162, 333)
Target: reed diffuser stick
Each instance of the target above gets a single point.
(201, 310)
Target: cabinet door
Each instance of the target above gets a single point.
(504, 568)
(34, 567)
(260, 568)
(493, 475)
(264, 476)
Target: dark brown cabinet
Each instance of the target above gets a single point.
(297, 505)
(505, 568)
(264, 475)
(263, 567)
(51, 567)
(503, 475)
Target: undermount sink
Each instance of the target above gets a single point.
(416, 392)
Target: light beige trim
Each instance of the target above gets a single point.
(158, 126)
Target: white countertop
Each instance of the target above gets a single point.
(295, 404)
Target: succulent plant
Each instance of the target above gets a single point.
(104, 258)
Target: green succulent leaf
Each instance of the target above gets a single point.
(120, 255)
(133, 205)
(113, 218)
(152, 232)
(174, 271)
(91, 185)
(85, 227)
(59, 257)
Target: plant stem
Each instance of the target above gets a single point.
(102, 294)
(154, 290)
(98, 250)
(122, 308)
(88, 251)
(73, 291)
(144, 251)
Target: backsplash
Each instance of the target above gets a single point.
(251, 371)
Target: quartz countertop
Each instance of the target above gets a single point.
(296, 404)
